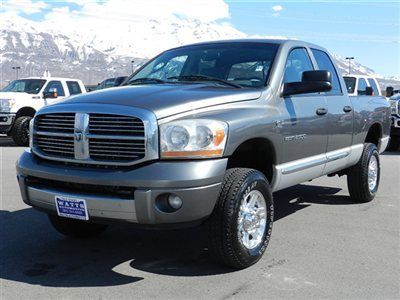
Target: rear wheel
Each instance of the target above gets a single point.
(20, 131)
(241, 223)
(363, 178)
(76, 228)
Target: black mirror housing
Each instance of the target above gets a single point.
(311, 82)
(389, 91)
(50, 95)
(369, 91)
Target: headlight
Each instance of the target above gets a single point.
(6, 105)
(199, 138)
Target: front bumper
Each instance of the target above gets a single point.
(6, 122)
(197, 183)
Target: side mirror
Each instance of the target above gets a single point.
(52, 93)
(311, 82)
(369, 91)
(389, 91)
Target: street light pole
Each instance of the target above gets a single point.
(16, 70)
(350, 58)
(132, 62)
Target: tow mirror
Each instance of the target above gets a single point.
(52, 93)
(369, 91)
(311, 82)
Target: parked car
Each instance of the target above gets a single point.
(111, 82)
(362, 85)
(90, 87)
(395, 130)
(20, 100)
(204, 133)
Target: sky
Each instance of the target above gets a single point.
(366, 30)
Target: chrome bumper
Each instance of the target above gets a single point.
(197, 183)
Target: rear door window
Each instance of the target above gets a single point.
(325, 63)
(374, 86)
(362, 86)
(73, 87)
(350, 84)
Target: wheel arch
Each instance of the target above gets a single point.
(374, 134)
(26, 111)
(255, 153)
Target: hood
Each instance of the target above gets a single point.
(166, 99)
(13, 95)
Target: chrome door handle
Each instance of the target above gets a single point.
(347, 109)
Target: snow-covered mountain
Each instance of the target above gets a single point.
(93, 53)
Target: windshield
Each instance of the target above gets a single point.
(350, 84)
(30, 86)
(241, 64)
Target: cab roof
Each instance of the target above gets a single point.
(51, 78)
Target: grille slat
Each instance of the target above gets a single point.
(116, 151)
(111, 138)
(57, 151)
(94, 147)
(52, 139)
(55, 147)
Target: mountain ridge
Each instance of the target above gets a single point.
(93, 54)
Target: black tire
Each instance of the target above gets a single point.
(76, 228)
(357, 176)
(20, 131)
(225, 242)
(394, 144)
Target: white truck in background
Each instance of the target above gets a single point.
(362, 85)
(20, 100)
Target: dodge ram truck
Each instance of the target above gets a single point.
(20, 100)
(204, 134)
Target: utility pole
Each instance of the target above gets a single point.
(350, 58)
(132, 62)
(16, 71)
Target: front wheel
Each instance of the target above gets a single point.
(241, 224)
(20, 131)
(363, 178)
(76, 228)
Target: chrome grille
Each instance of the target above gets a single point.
(116, 150)
(61, 146)
(90, 138)
(115, 125)
(55, 123)
(395, 107)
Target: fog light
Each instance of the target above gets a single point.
(174, 201)
(3, 119)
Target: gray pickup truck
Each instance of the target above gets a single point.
(204, 133)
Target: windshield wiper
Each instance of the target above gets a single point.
(144, 80)
(204, 78)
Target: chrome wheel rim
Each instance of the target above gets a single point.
(372, 173)
(252, 219)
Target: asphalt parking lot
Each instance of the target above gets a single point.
(322, 246)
